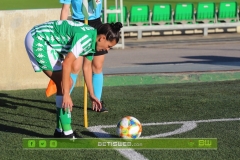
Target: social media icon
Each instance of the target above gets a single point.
(53, 143)
(31, 143)
(42, 143)
(191, 143)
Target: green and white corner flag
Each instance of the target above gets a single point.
(86, 4)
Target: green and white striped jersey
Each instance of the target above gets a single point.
(64, 37)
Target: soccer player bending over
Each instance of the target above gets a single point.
(47, 44)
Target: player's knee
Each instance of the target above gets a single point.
(97, 67)
(97, 70)
(76, 70)
(97, 64)
(76, 66)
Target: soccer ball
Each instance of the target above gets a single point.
(129, 127)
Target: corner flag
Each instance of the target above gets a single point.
(85, 6)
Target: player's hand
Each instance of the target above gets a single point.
(96, 104)
(67, 103)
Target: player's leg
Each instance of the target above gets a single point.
(76, 68)
(63, 117)
(54, 72)
(97, 66)
(59, 127)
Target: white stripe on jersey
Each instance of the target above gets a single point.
(40, 31)
(45, 30)
(86, 43)
(86, 47)
(87, 51)
(83, 38)
(44, 26)
(61, 50)
(60, 45)
(77, 49)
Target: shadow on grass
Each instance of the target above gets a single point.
(11, 129)
(26, 116)
(98, 134)
(220, 60)
(9, 121)
(80, 107)
(7, 101)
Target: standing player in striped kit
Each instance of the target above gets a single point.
(47, 43)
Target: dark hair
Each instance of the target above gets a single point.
(110, 30)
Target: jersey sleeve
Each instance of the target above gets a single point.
(65, 1)
(84, 44)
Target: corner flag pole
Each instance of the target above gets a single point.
(85, 106)
(85, 101)
(85, 12)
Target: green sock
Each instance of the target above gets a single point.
(64, 117)
(59, 124)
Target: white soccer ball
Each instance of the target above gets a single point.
(129, 127)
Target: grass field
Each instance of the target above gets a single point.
(29, 4)
(162, 109)
(213, 107)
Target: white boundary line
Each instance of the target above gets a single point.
(132, 154)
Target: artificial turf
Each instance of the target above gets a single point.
(29, 114)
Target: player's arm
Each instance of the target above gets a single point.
(87, 71)
(65, 12)
(66, 83)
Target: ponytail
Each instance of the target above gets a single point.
(111, 31)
